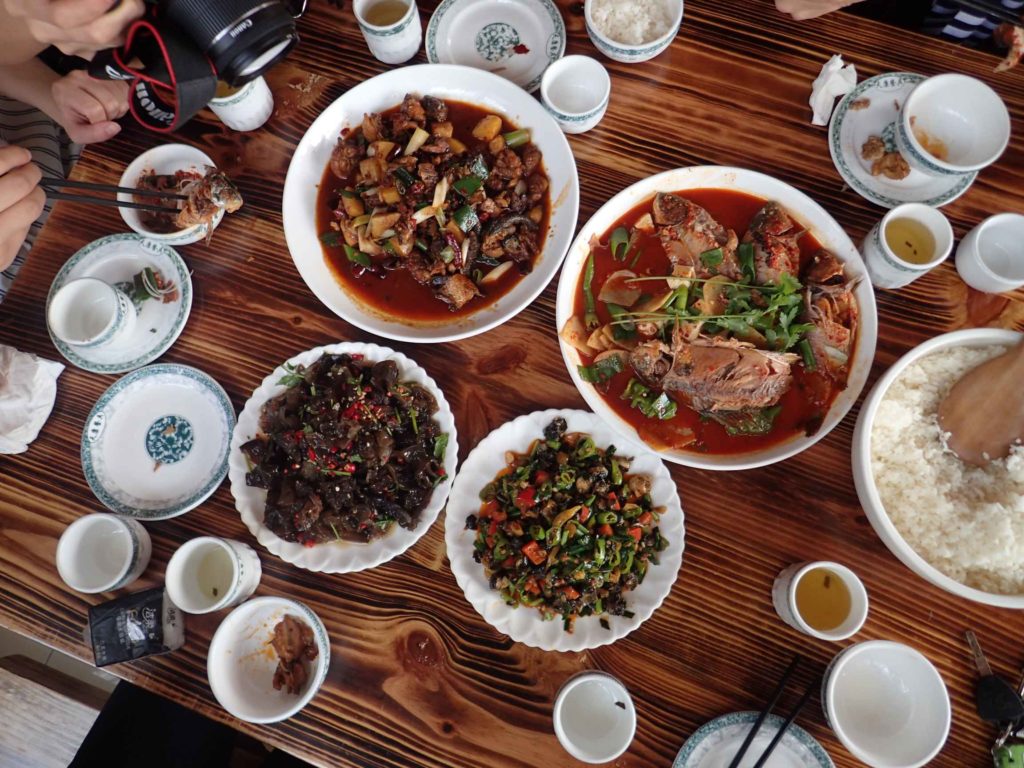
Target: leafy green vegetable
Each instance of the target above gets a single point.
(602, 370)
(357, 257)
(712, 258)
(659, 406)
(331, 239)
(759, 422)
(467, 185)
(293, 376)
(440, 446)
(625, 330)
(745, 254)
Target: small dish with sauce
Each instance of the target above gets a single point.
(166, 160)
(952, 124)
(822, 599)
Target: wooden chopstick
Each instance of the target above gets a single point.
(992, 8)
(107, 201)
(58, 183)
(785, 726)
(767, 710)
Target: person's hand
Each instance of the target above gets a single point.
(87, 107)
(21, 200)
(808, 9)
(77, 27)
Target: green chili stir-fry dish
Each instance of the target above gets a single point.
(565, 529)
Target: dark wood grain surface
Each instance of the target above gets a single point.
(417, 678)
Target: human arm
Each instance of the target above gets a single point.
(809, 9)
(76, 27)
(21, 200)
(85, 107)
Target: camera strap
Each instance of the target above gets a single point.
(172, 81)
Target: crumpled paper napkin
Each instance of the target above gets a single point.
(836, 79)
(28, 388)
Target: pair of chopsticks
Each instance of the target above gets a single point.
(992, 8)
(767, 710)
(53, 186)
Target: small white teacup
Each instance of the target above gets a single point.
(102, 552)
(576, 91)
(394, 42)
(247, 108)
(886, 267)
(991, 257)
(784, 598)
(208, 573)
(594, 717)
(952, 124)
(88, 312)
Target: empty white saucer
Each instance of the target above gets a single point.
(872, 109)
(156, 443)
(516, 39)
(116, 259)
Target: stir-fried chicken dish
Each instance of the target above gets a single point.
(446, 192)
(707, 339)
(207, 193)
(294, 645)
(346, 452)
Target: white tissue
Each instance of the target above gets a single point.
(28, 388)
(834, 81)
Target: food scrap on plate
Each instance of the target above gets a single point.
(294, 644)
(207, 194)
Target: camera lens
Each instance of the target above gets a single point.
(243, 38)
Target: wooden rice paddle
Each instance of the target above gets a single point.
(984, 411)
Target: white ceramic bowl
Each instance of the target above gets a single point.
(594, 717)
(336, 556)
(990, 258)
(576, 91)
(165, 159)
(240, 664)
(887, 704)
(809, 215)
(446, 81)
(864, 480)
(964, 114)
(524, 624)
(625, 52)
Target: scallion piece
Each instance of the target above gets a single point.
(618, 243)
(712, 258)
(447, 254)
(515, 139)
(590, 317)
(807, 354)
(745, 254)
(602, 370)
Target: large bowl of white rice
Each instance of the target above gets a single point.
(957, 526)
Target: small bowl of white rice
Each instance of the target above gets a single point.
(958, 526)
(632, 30)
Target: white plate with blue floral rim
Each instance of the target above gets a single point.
(715, 744)
(516, 39)
(336, 556)
(156, 443)
(878, 100)
(524, 624)
(116, 259)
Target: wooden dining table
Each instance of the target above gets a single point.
(417, 677)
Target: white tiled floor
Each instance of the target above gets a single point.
(13, 644)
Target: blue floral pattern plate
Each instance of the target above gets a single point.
(714, 745)
(116, 259)
(516, 39)
(156, 443)
(872, 109)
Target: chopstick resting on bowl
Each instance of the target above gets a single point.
(52, 188)
(794, 713)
